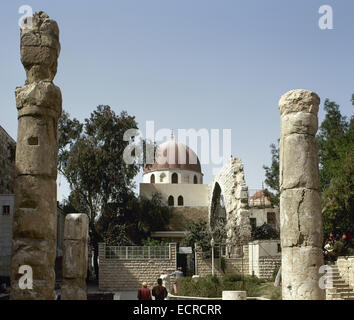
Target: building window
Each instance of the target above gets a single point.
(5, 210)
(271, 218)
(180, 201)
(253, 223)
(279, 247)
(171, 201)
(174, 178)
(152, 178)
(195, 179)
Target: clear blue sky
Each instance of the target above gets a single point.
(190, 64)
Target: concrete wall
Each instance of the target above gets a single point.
(346, 269)
(7, 163)
(264, 257)
(194, 195)
(6, 234)
(119, 274)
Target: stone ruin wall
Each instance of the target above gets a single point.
(231, 180)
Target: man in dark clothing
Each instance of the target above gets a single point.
(144, 292)
(159, 291)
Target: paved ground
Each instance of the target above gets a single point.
(92, 288)
(127, 295)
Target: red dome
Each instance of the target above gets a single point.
(174, 155)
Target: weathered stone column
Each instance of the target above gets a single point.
(39, 105)
(75, 257)
(300, 203)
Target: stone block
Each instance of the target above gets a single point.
(300, 273)
(75, 259)
(35, 208)
(73, 289)
(76, 226)
(299, 123)
(37, 149)
(301, 218)
(299, 101)
(39, 94)
(299, 162)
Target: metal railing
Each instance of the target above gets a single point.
(133, 252)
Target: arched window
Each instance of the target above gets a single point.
(195, 179)
(171, 201)
(152, 178)
(174, 178)
(180, 201)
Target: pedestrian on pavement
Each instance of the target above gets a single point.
(159, 291)
(144, 292)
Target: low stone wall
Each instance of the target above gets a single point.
(267, 266)
(128, 274)
(346, 269)
(233, 265)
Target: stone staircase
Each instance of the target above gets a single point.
(341, 290)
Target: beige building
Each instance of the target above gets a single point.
(262, 211)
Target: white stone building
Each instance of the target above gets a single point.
(176, 175)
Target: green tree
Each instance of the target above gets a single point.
(91, 159)
(198, 233)
(272, 176)
(336, 156)
(139, 216)
(265, 232)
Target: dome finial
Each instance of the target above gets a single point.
(172, 136)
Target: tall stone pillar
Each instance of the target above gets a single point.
(300, 203)
(39, 105)
(75, 257)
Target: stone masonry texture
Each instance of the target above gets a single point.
(75, 257)
(300, 205)
(39, 105)
(231, 181)
(121, 274)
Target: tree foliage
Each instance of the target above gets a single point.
(336, 156)
(272, 176)
(265, 232)
(198, 232)
(102, 183)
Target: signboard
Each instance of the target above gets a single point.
(185, 250)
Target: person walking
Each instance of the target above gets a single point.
(144, 292)
(178, 274)
(159, 291)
